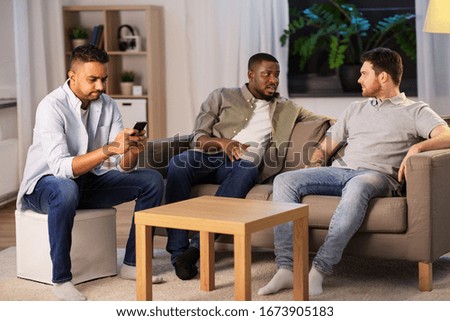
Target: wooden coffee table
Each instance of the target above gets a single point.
(211, 214)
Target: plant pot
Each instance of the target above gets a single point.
(79, 42)
(349, 75)
(126, 88)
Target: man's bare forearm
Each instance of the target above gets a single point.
(84, 163)
(323, 152)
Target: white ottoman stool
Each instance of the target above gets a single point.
(93, 253)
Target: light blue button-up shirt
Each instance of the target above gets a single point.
(59, 135)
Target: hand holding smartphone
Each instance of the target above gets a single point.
(140, 125)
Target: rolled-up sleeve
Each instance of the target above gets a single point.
(208, 116)
(54, 141)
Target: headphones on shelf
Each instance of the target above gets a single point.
(123, 44)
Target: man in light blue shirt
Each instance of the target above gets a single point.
(81, 157)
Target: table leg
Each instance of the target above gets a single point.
(144, 251)
(207, 261)
(242, 267)
(300, 256)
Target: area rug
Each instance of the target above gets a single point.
(355, 279)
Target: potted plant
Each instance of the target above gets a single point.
(127, 82)
(79, 36)
(344, 33)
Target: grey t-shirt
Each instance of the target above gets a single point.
(379, 134)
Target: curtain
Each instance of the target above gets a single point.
(223, 34)
(433, 64)
(37, 57)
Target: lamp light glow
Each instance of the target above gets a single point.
(437, 19)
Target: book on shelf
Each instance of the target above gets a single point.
(101, 40)
(93, 35)
(97, 36)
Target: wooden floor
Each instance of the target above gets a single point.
(7, 226)
(123, 221)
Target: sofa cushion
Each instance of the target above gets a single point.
(261, 192)
(204, 189)
(304, 136)
(384, 215)
(258, 192)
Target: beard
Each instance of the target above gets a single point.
(95, 95)
(267, 93)
(372, 91)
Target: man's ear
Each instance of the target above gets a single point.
(384, 76)
(71, 74)
(250, 74)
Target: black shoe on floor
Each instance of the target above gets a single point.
(185, 264)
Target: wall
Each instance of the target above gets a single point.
(325, 106)
(8, 116)
(7, 62)
(9, 183)
(330, 106)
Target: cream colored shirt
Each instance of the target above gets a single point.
(257, 132)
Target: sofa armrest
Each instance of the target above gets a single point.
(428, 198)
(160, 151)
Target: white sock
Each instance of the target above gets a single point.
(67, 292)
(283, 279)
(315, 282)
(128, 272)
(157, 279)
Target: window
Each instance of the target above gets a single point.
(317, 79)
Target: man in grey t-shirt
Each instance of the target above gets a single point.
(381, 133)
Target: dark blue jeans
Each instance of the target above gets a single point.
(190, 168)
(61, 197)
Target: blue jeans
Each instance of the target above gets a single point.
(355, 187)
(61, 197)
(193, 167)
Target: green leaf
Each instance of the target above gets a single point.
(337, 53)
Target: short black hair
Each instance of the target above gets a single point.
(385, 59)
(258, 58)
(88, 53)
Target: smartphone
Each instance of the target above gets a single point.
(140, 125)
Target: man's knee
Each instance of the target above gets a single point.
(282, 179)
(180, 162)
(185, 163)
(250, 173)
(64, 191)
(150, 178)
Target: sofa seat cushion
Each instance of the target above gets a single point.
(204, 189)
(385, 215)
(258, 192)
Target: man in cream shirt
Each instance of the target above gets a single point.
(236, 129)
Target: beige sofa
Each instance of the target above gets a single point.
(414, 227)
